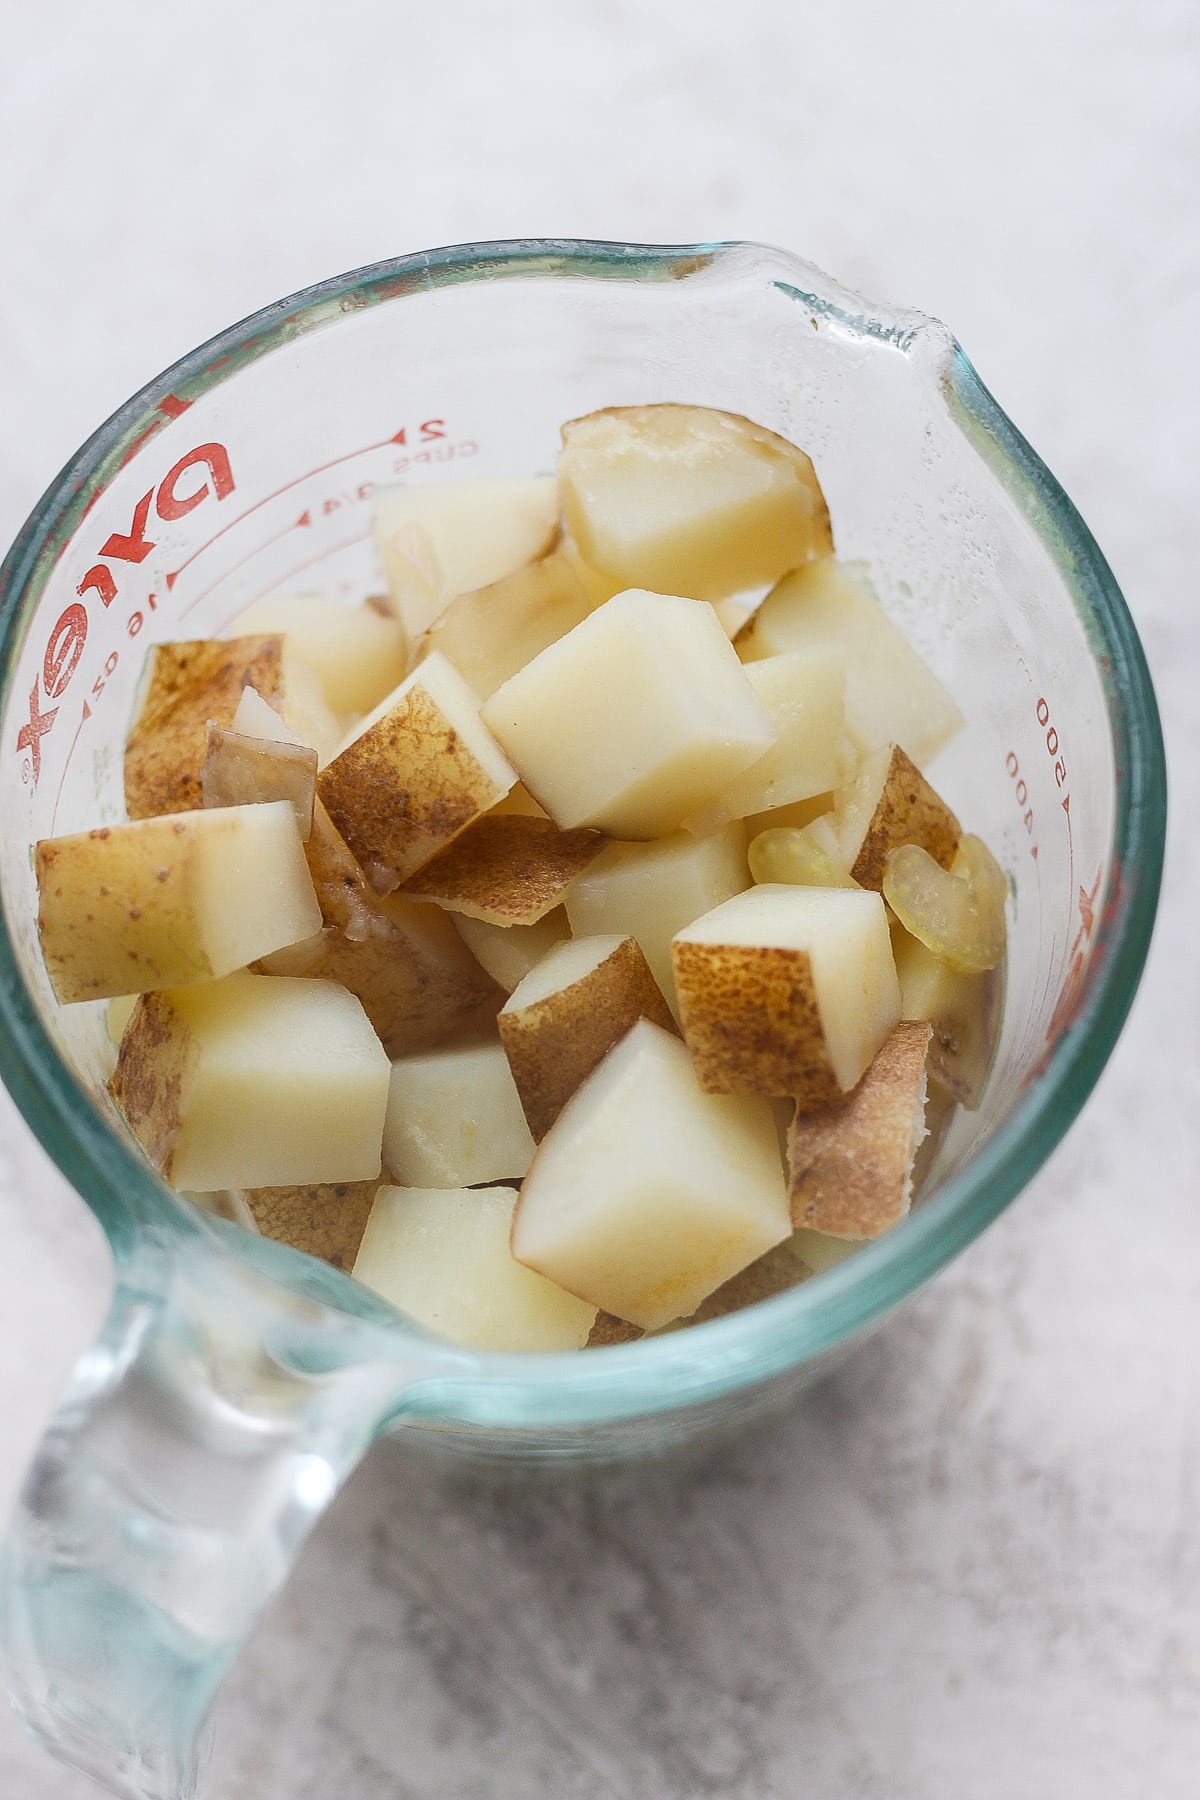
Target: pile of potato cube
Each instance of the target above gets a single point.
(568, 942)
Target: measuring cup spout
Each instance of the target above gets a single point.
(184, 1469)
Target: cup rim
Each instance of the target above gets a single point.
(743, 1349)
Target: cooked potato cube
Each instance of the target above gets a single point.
(188, 684)
(506, 869)
(777, 1272)
(803, 695)
(891, 803)
(646, 1195)
(454, 1119)
(850, 1166)
(818, 1252)
(357, 653)
(326, 1220)
(439, 542)
(254, 1081)
(686, 500)
(117, 1015)
(892, 696)
(442, 1256)
(651, 891)
(255, 718)
(416, 772)
(634, 720)
(508, 952)
(963, 1010)
(419, 984)
(249, 771)
(787, 990)
(568, 1013)
(492, 632)
(609, 1330)
(793, 818)
(161, 902)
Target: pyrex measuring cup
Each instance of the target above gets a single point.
(236, 1383)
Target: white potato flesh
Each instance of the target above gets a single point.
(962, 1008)
(651, 891)
(646, 1195)
(508, 952)
(256, 717)
(892, 695)
(804, 696)
(357, 653)
(438, 542)
(161, 902)
(442, 1256)
(633, 720)
(781, 984)
(414, 773)
(492, 632)
(567, 1014)
(255, 1081)
(686, 500)
(454, 1118)
(818, 1252)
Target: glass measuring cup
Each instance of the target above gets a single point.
(236, 1383)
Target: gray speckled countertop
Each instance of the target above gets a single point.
(968, 1566)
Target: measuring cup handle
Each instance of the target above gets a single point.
(178, 1480)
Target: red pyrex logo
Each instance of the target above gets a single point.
(173, 498)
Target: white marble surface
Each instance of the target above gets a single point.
(969, 1567)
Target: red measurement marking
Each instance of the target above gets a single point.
(249, 557)
(359, 537)
(397, 437)
(173, 406)
(87, 713)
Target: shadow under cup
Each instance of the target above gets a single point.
(248, 468)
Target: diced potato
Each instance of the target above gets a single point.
(326, 1220)
(963, 1010)
(609, 1330)
(160, 902)
(892, 696)
(358, 653)
(634, 720)
(940, 1108)
(187, 685)
(454, 1119)
(518, 801)
(796, 858)
(442, 1256)
(647, 1195)
(651, 891)
(416, 772)
(506, 869)
(958, 913)
(568, 1013)
(255, 718)
(851, 1165)
(793, 818)
(419, 984)
(254, 1081)
(492, 632)
(118, 1014)
(777, 1272)
(249, 771)
(787, 990)
(803, 695)
(818, 1252)
(891, 803)
(508, 952)
(687, 500)
(596, 585)
(439, 542)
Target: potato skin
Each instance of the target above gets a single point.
(188, 685)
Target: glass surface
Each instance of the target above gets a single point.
(246, 470)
